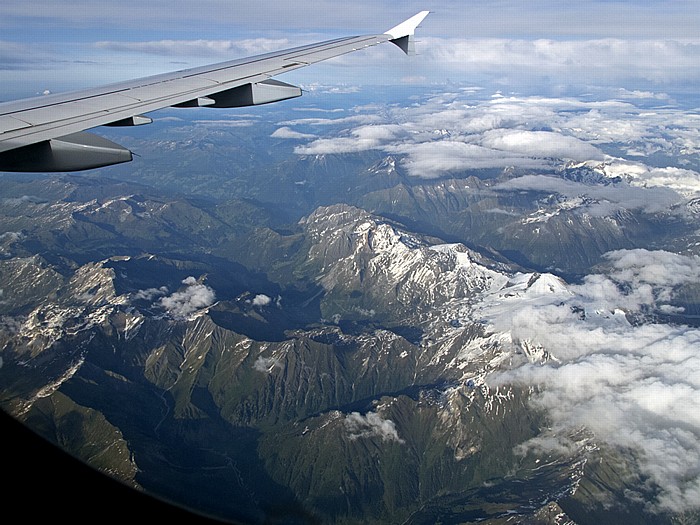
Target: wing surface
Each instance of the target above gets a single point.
(47, 133)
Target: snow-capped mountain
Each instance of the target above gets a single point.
(256, 346)
(394, 368)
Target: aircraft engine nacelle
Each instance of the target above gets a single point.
(74, 152)
(255, 94)
(246, 95)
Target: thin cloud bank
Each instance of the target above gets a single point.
(602, 200)
(149, 293)
(193, 297)
(442, 157)
(634, 385)
(371, 425)
(541, 144)
(231, 48)
(603, 61)
(288, 133)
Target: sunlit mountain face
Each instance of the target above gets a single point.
(412, 305)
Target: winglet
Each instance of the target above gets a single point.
(402, 34)
(407, 27)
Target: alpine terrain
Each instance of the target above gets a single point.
(318, 337)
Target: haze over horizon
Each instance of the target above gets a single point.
(542, 46)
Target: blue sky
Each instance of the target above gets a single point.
(554, 46)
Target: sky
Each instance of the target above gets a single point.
(540, 45)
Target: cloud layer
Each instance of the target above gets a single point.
(206, 48)
(451, 133)
(635, 386)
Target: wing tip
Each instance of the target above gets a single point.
(407, 27)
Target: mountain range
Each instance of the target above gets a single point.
(314, 342)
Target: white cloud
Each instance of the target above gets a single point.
(229, 48)
(435, 159)
(362, 138)
(261, 300)
(361, 119)
(637, 93)
(319, 110)
(453, 132)
(332, 146)
(540, 144)
(226, 123)
(606, 200)
(371, 425)
(656, 268)
(684, 181)
(149, 293)
(634, 386)
(266, 364)
(288, 133)
(10, 325)
(520, 62)
(185, 302)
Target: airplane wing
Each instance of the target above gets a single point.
(46, 134)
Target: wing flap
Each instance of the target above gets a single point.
(8, 123)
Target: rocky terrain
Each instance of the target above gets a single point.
(318, 341)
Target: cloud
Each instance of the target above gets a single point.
(635, 386)
(261, 300)
(331, 89)
(371, 425)
(361, 119)
(183, 303)
(22, 201)
(266, 364)
(288, 133)
(319, 110)
(149, 294)
(654, 47)
(684, 181)
(226, 123)
(540, 144)
(435, 159)
(362, 138)
(637, 93)
(606, 200)
(605, 61)
(188, 48)
(10, 325)
(443, 136)
(662, 270)
(453, 132)
(19, 57)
